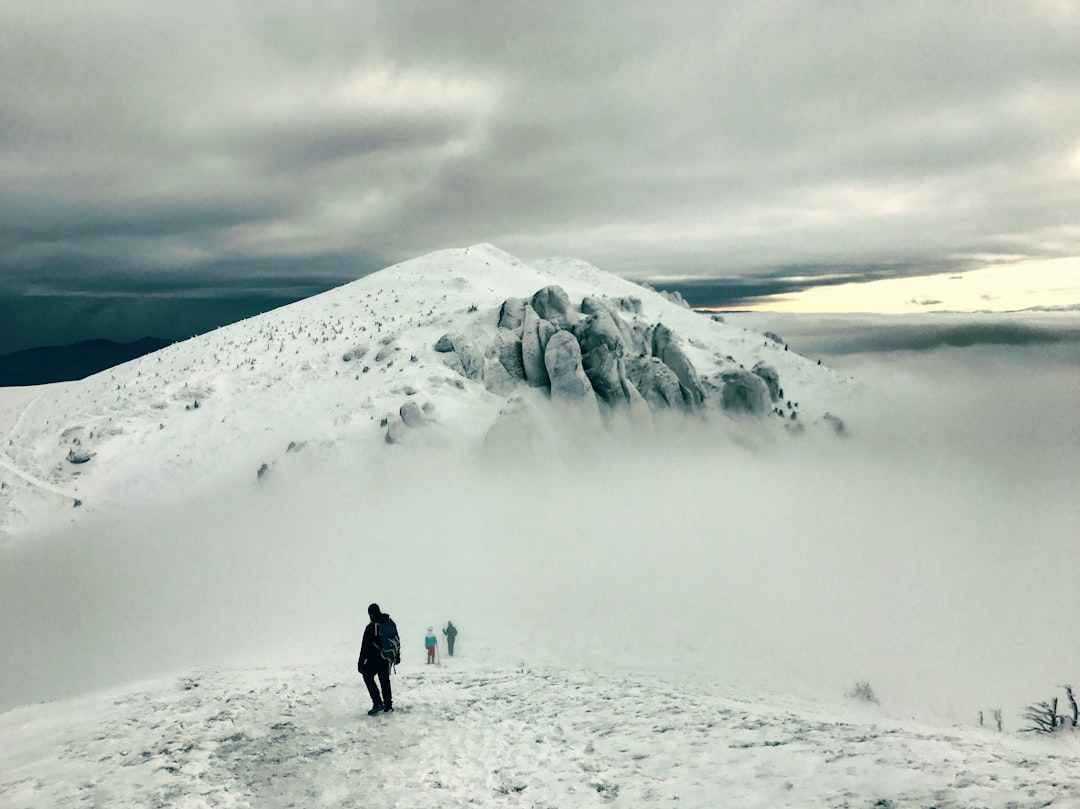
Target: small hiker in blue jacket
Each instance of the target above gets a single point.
(431, 643)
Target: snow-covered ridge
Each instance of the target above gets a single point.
(475, 734)
(335, 367)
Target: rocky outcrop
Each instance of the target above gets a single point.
(553, 304)
(508, 350)
(497, 379)
(535, 334)
(743, 392)
(79, 456)
(771, 378)
(412, 415)
(667, 350)
(603, 345)
(512, 313)
(655, 383)
(467, 358)
(603, 353)
(562, 358)
(633, 340)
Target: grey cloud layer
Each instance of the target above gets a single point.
(690, 140)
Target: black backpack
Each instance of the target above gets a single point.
(388, 640)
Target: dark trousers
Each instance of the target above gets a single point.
(450, 645)
(383, 672)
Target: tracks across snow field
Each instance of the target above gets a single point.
(466, 735)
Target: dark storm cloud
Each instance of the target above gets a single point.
(754, 286)
(65, 301)
(688, 141)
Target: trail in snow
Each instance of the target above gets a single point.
(469, 735)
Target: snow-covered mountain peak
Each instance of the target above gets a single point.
(454, 340)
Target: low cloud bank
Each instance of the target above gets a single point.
(1055, 336)
(930, 553)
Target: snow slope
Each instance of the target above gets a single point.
(468, 733)
(221, 405)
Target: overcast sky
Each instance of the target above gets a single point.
(171, 147)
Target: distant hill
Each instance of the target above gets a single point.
(41, 366)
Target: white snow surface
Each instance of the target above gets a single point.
(280, 378)
(470, 732)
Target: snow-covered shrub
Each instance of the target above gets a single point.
(862, 692)
(1043, 717)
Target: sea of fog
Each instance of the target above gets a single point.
(930, 552)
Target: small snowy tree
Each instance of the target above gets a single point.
(1044, 717)
(862, 692)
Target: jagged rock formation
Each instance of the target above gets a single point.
(601, 352)
(511, 313)
(744, 392)
(771, 378)
(535, 334)
(569, 382)
(656, 383)
(467, 359)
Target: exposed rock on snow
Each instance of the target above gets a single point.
(669, 352)
(770, 377)
(508, 350)
(743, 392)
(553, 304)
(512, 313)
(412, 415)
(80, 456)
(656, 383)
(395, 431)
(563, 361)
(467, 359)
(535, 334)
(356, 353)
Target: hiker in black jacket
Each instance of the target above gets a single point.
(451, 634)
(372, 663)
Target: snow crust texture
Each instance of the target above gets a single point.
(466, 734)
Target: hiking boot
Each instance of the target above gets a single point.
(377, 709)
(388, 709)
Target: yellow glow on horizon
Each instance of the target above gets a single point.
(999, 288)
